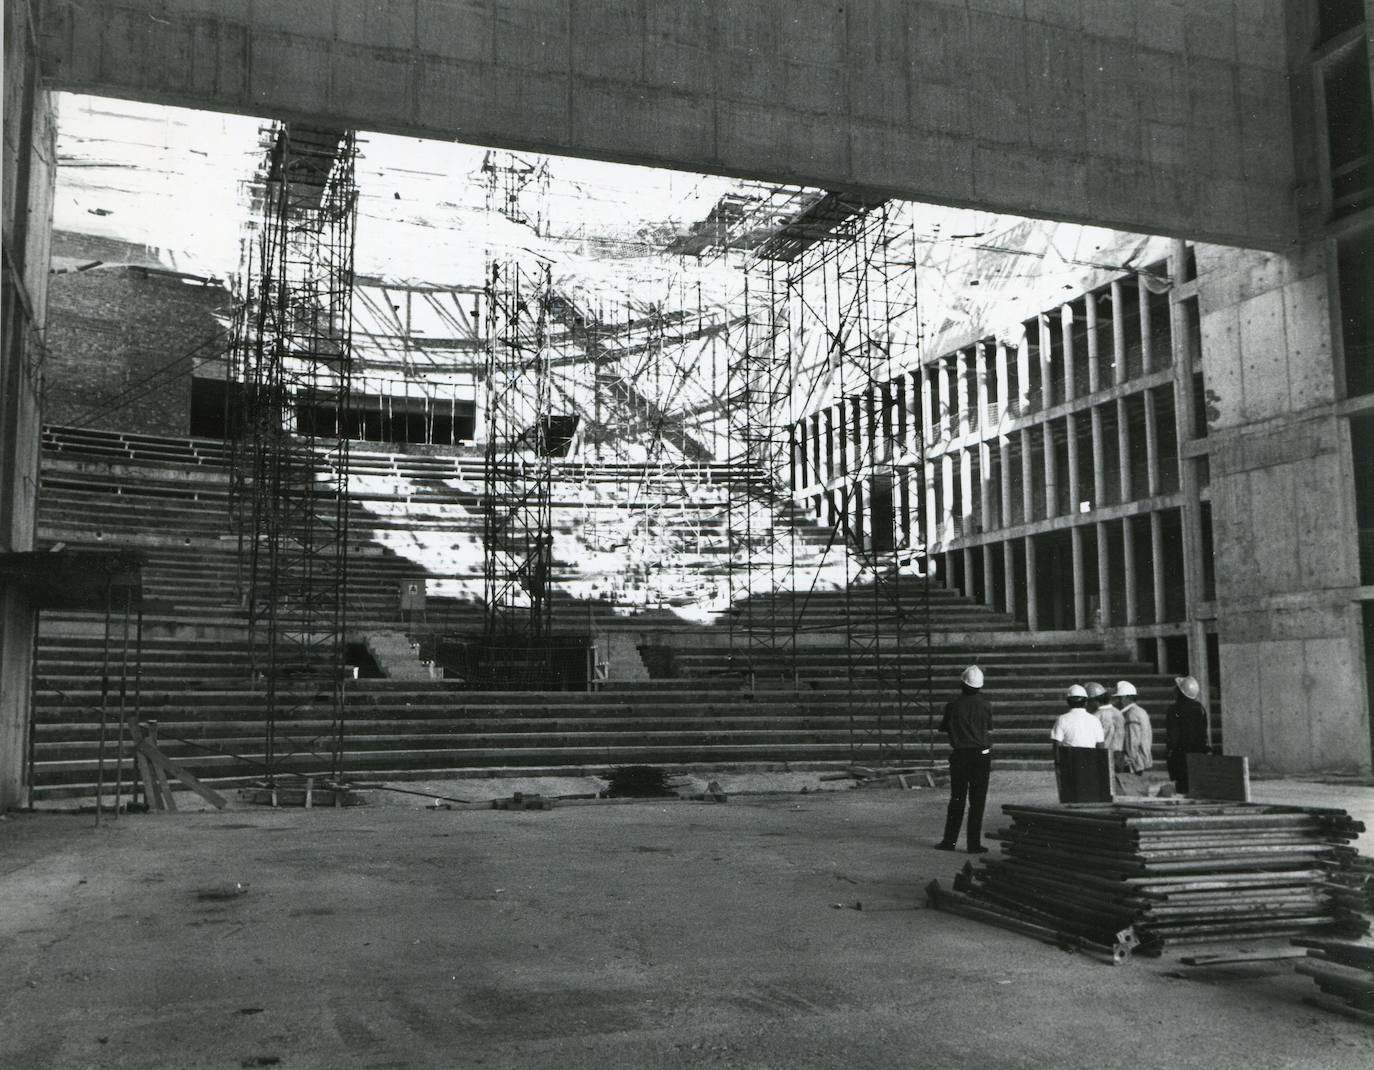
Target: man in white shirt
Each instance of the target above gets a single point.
(1076, 727)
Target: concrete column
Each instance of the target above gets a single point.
(1079, 584)
(947, 498)
(1128, 564)
(1022, 375)
(1048, 398)
(1123, 449)
(931, 519)
(1051, 481)
(966, 491)
(1009, 575)
(1151, 445)
(1000, 365)
(961, 392)
(858, 455)
(943, 401)
(927, 405)
(985, 484)
(980, 380)
(1147, 363)
(1118, 335)
(1032, 596)
(1104, 577)
(1094, 354)
(1004, 466)
(1071, 438)
(1066, 338)
(1157, 564)
(1099, 459)
(1027, 483)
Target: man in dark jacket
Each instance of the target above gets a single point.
(968, 723)
(1185, 730)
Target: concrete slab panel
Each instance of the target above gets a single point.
(307, 18)
(680, 66)
(1041, 175)
(889, 155)
(1209, 30)
(1221, 363)
(532, 35)
(1275, 531)
(366, 24)
(281, 67)
(1264, 356)
(1066, 13)
(608, 39)
(1283, 706)
(1242, 729)
(740, 76)
(457, 29)
(879, 92)
(1114, 18)
(600, 111)
(1324, 531)
(822, 90)
(374, 86)
(1311, 374)
(876, 34)
(1339, 707)
(939, 43)
(1163, 27)
(812, 31)
(940, 108)
(1256, 41)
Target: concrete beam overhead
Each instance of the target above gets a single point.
(1141, 115)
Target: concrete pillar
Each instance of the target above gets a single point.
(932, 521)
(1123, 449)
(1104, 577)
(947, 498)
(1004, 466)
(963, 423)
(1009, 574)
(1157, 564)
(1151, 445)
(1128, 564)
(1079, 581)
(1099, 461)
(1051, 480)
(1048, 397)
(927, 407)
(1118, 334)
(1032, 596)
(1022, 375)
(985, 497)
(966, 491)
(1147, 363)
(1003, 396)
(943, 401)
(980, 379)
(1094, 354)
(1071, 438)
(1027, 483)
(1066, 340)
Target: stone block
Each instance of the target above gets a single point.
(373, 86)
(390, 26)
(290, 68)
(457, 29)
(608, 39)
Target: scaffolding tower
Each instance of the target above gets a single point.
(291, 365)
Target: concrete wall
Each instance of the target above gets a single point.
(1168, 116)
(26, 214)
(1287, 567)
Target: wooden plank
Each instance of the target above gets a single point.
(1219, 776)
(1327, 1003)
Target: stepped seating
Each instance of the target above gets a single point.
(414, 516)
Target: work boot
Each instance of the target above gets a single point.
(943, 846)
(977, 849)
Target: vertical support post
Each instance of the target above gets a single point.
(1104, 576)
(1051, 480)
(1022, 374)
(980, 381)
(932, 520)
(1157, 564)
(1118, 334)
(1032, 595)
(1147, 363)
(1066, 339)
(965, 422)
(1094, 351)
(1027, 474)
(1071, 441)
(966, 492)
(1128, 566)
(989, 576)
(1048, 397)
(1099, 459)
(1004, 466)
(1151, 445)
(1079, 584)
(1123, 449)
(970, 588)
(1003, 387)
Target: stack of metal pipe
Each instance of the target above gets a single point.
(1174, 873)
(1345, 974)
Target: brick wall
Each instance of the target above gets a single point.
(122, 345)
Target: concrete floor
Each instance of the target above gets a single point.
(677, 934)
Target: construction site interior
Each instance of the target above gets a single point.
(377, 447)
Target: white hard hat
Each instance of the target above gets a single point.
(973, 676)
(1125, 687)
(1188, 686)
(1095, 690)
(1075, 691)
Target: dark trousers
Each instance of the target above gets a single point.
(968, 780)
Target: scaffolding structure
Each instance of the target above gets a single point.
(291, 364)
(832, 282)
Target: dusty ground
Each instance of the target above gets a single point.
(675, 934)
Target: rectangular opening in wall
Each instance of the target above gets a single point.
(1092, 596)
(1013, 472)
(997, 561)
(1013, 382)
(1106, 355)
(882, 513)
(1078, 332)
(1166, 439)
(1175, 592)
(1060, 385)
(956, 496)
(1139, 446)
(1035, 388)
(979, 577)
(1161, 320)
(1037, 473)
(1362, 463)
(1209, 565)
(1110, 460)
(1143, 570)
(211, 413)
(1116, 574)
(1084, 499)
(1018, 577)
(1063, 490)
(1130, 315)
(1355, 284)
(1349, 131)
(1176, 661)
(1147, 653)
(1215, 689)
(1367, 627)
(1054, 580)
(1189, 263)
(1200, 412)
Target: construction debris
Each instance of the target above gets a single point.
(638, 781)
(306, 795)
(1173, 873)
(1344, 972)
(522, 801)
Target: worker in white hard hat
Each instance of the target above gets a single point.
(968, 724)
(1185, 730)
(1138, 743)
(1113, 728)
(1076, 727)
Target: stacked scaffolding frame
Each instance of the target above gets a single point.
(292, 363)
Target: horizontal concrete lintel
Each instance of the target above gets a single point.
(296, 68)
